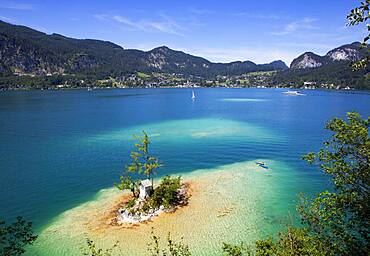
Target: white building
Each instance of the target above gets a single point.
(145, 188)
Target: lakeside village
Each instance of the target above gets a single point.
(263, 79)
(164, 80)
(146, 200)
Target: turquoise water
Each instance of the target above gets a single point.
(59, 148)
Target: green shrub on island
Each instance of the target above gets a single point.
(130, 203)
(166, 193)
(147, 206)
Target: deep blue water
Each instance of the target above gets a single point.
(58, 148)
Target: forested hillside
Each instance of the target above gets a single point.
(32, 59)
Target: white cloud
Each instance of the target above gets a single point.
(249, 14)
(261, 16)
(304, 24)
(128, 22)
(165, 24)
(17, 6)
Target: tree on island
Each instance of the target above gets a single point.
(150, 164)
(15, 237)
(141, 163)
(126, 182)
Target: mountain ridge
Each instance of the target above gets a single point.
(28, 51)
(33, 59)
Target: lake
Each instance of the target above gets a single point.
(60, 149)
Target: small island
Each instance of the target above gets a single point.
(167, 197)
(148, 201)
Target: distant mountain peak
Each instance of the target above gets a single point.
(306, 60)
(347, 52)
(278, 64)
(163, 49)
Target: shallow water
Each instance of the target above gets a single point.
(232, 203)
(58, 149)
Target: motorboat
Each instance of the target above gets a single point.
(293, 93)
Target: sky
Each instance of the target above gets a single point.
(220, 31)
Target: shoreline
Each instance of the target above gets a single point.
(183, 87)
(213, 209)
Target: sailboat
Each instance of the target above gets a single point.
(192, 95)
